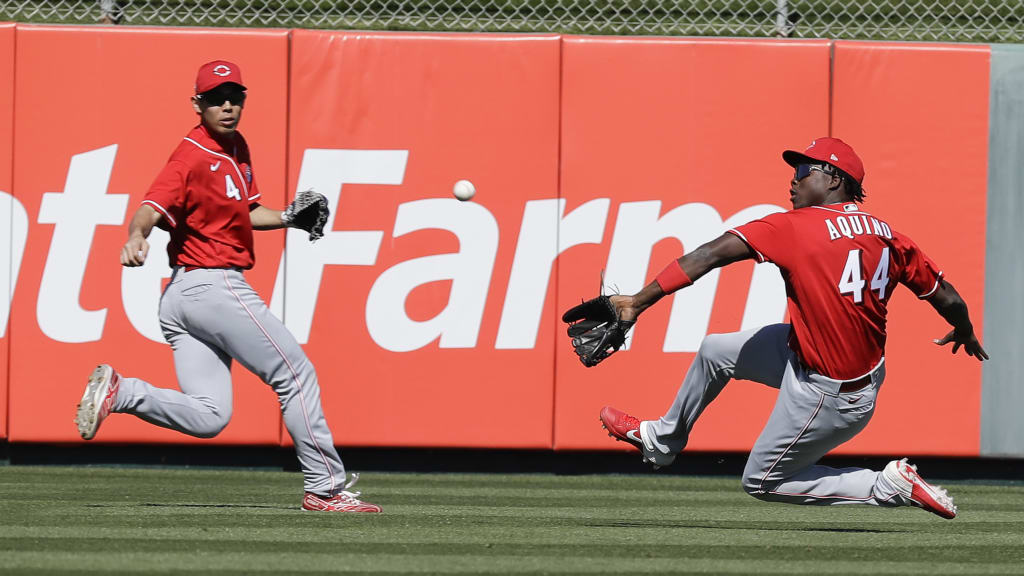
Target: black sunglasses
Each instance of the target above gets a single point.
(804, 170)
(219, 97)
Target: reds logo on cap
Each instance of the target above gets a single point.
(213, 74)
(830, 151)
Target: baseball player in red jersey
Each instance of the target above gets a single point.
(207, 198)
(840, 265)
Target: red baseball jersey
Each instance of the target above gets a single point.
(840, 265)
(204, 194)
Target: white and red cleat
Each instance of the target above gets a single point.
(97, 400)
(920, 493)
(626, 428)
(344, 501)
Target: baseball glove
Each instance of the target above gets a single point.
(308, 212)
(596, 330)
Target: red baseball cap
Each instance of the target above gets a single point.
(213, 74)
(830, 151)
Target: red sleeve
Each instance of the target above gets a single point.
(167, 193)
(771, 237)
(254, 191)
(917, 271)
(245, 163)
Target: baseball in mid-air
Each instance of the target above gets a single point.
(464, 190)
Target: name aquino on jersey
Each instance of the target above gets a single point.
(853, 225)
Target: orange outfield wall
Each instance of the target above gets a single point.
(6, 205)
(706, 124)
(131, 91)
(430, 109)
(918, 116)
(433, 322)
(699, 126)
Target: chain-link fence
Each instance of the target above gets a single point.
(936, 20)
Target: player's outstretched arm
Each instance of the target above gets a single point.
(264, 218)
(948, 303)
(721, 251)
(135, 250)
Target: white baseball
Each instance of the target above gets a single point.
(464, 190)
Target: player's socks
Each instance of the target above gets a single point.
(626, 428)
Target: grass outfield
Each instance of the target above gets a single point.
(91, 520)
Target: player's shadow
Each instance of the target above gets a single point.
(735, 526)
(179, 505)
(171, 505)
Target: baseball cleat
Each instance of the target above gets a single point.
(920, 493)
(344, 501)
(626, 428)
(97, 400)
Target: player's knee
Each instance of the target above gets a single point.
(712, 347)
(212, 424)
(754, 487)
(754, 482)
(209, 430)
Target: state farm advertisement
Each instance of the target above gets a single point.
(435, 322)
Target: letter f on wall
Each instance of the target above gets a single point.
(326, 171)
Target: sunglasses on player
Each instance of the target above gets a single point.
(804, 170)
(219, 97)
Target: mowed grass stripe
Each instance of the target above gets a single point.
(750, 516)
(274, 563)
(900, 537)
(985, 553)
(109, 520)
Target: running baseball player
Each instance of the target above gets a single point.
(207, 198)
(840, 265)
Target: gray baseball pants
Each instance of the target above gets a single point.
(209, 317)
(810, 418)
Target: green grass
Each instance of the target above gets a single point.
(91, 520)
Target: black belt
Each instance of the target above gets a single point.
(854, 385)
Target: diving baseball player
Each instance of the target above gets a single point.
(840, 264)
(207, 198)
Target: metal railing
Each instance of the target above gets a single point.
(1000, 21)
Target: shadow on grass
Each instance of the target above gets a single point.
(173, 505)
(739, 526)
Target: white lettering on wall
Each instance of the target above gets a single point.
(544, 234)
(640, 226)
(326, 171)
(469, 269)
(141, 287)
(12, 248)
(75, 213)
(766, 298)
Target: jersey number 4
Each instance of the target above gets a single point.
(230, 188)
(852, 281)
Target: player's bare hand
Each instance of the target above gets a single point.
(134, 251)
(969, 342)
(626, 307)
